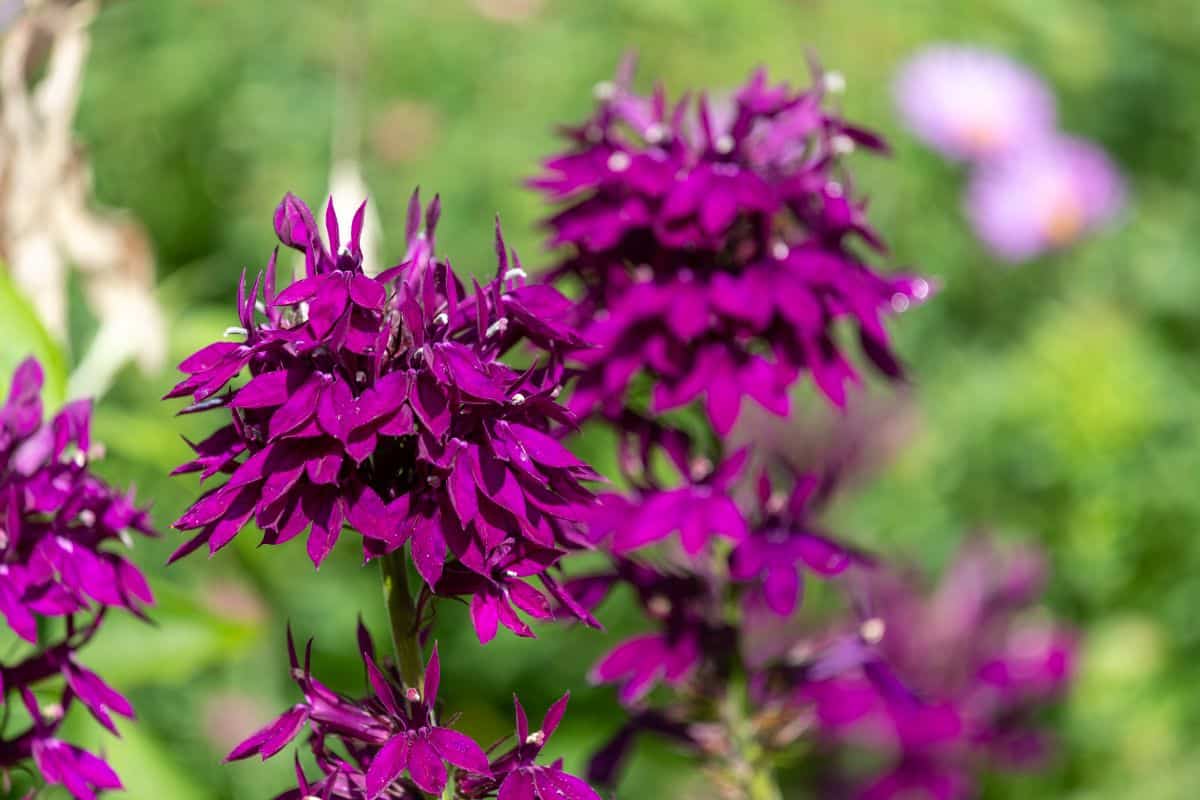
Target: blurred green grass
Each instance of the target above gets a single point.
(1058, 401)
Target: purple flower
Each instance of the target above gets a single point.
(973, 104)
(716, 246)
(690, 632)
(390, 745)
(783, 542)
(381, 403)
(517, 776)
(60, 526)
(965, 674)
(389, 734)
(1043, 197)
(58, 521)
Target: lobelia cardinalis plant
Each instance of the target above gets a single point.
(717, 247)
(382, 404)
(62, 532)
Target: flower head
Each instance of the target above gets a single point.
(973, 104)
(516, 775)
(381, 403)
(391, 745)
(1043, 197)
(62, 531)
(717, 244)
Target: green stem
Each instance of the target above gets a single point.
(402, 615)
(748, 764)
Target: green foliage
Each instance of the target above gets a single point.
(1058, 401)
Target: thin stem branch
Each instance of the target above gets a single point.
(402, 616)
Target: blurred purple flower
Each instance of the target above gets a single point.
(1043, 196)
(59, 524)
(716, 244)
(974, 673)
(973, 104)
(381, 403)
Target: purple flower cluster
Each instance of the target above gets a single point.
(381, 403)
(391, 745)
(717, 245)
(770, 528)
(976, 670)
(60, 527)
(1032, 189)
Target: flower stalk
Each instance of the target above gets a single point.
(402, 618)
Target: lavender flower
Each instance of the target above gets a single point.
(389, 744)
(717, 247)
(381, 403)
(972, 104)
(1044, 196)
(58, 523)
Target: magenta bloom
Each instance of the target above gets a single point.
(517, 776)
(1043, 197)
(975, 675)
(381, 403)
(390, 745)
(62, 533)
(717, 246)
(972, 104)
(690, 632)
(784, 543)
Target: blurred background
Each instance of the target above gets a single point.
(1055, 402)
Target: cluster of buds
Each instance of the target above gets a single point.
(62, 532)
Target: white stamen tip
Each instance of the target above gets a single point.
(780, 250)
(872, 630)
(655, 133)
(899, 302)
(643, 273)
(441, 319)
(555, 392)
(619, 161)
(3, 538)
(518, 399)
(52, 711)
(604, 90)
(511, 573)
(360, 376)
(515, 272)
(834, 189)
(842, 144)
(920, 288)
(537, 737)
(724, 144)
(434, 481)
(835, 82)
(234, 330)
(412, 695)
(776, 502)
(87, 517)
(700, 468)
(499, 326)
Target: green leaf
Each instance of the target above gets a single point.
(25, 336)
